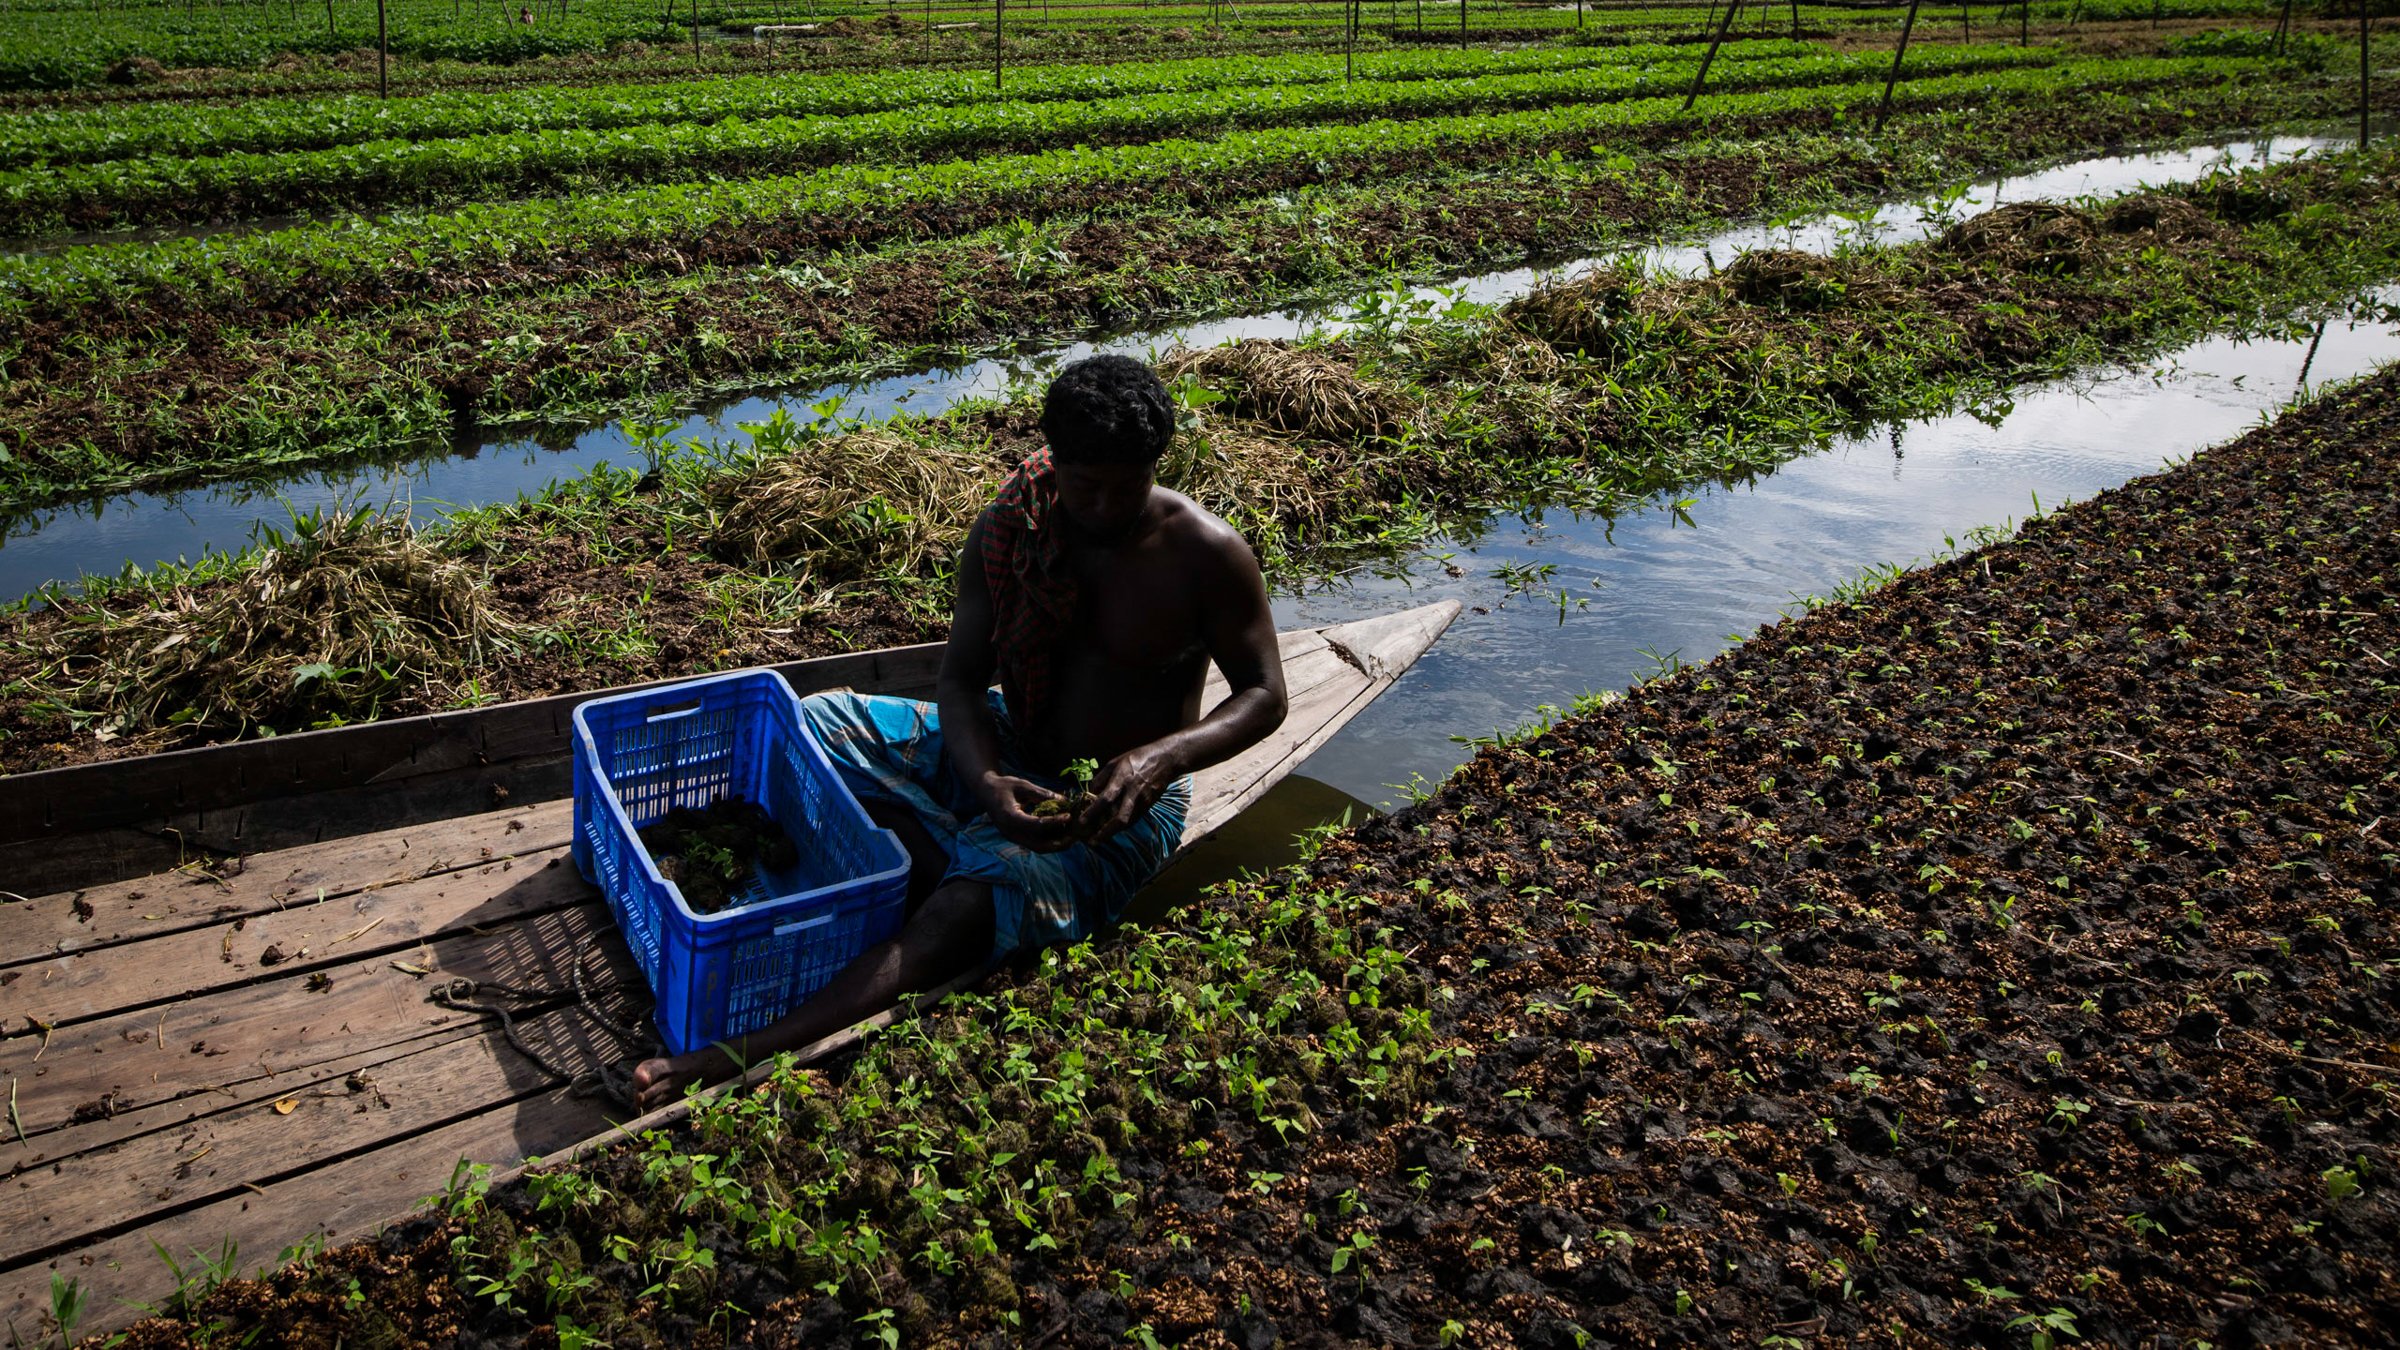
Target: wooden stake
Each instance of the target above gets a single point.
(1701, 75)
(2362, 74)
(2283, 28)
(383, 54)
(695, 34)
(1795, 19)
(999, 19)
(1907, 26)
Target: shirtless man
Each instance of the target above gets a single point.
(1098, 599)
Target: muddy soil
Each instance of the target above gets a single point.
(2013, 944)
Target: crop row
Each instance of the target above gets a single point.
(166, 190)
(60, 51)
(219, 401)
(133, 131)
(357, 264)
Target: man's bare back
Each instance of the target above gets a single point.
(1141, 590)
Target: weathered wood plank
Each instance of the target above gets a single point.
(99, 1193)
(293, 942)
(239, 1035)
(145, 908)
(52, 1147)
(344, 1203)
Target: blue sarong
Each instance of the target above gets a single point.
(890, 750)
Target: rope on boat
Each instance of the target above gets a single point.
(613, 1079)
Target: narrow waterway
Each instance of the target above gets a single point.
(1682, 584)
(1694, 573)
(144, 529)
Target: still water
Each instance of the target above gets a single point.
(143, 529)
(1659, 583)
(1662, 584)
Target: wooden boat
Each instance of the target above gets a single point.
(215, 967)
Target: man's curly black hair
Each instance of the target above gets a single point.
(1108, 410)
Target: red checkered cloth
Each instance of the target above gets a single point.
(1033, 592)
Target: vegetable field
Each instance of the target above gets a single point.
(1996, 958)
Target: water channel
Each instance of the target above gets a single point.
(143, 529)
(1662, 584)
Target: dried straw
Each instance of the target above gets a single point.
(2028, 235)
(1237, 469)
(1787, 278)
(345, 610)
(1294, 389)
(854, 507)
(1575, 313)
(2166, 219)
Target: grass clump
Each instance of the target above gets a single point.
(339, 611)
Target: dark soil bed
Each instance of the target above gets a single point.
(1999, 961)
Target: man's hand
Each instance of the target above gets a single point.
(1126, 787)
(1009, 801)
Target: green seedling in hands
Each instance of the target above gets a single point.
(1080, 773)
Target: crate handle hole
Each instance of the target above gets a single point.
(665, 711)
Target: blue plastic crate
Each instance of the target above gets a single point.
(641, 755)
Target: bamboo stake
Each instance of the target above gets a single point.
(2283, 28)
(383, 54)
(999, 20)
(1701, 75)
(2362, 74)
(1907, 26)
(1795, 20)
(695, 34)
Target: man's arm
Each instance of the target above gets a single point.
(969, 737)
(1238, 628)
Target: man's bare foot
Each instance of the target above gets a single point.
(657, 1082)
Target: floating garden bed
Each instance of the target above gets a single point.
(2002, 958)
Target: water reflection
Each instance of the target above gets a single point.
(1667, 584)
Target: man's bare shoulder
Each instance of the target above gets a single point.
(1188, 527)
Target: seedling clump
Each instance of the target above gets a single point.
(712, 853)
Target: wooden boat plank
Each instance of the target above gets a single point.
(281, 1026)
(342, 1203)
(55, 1146)
(145, 908)
(99, 1193)
(296, 941)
